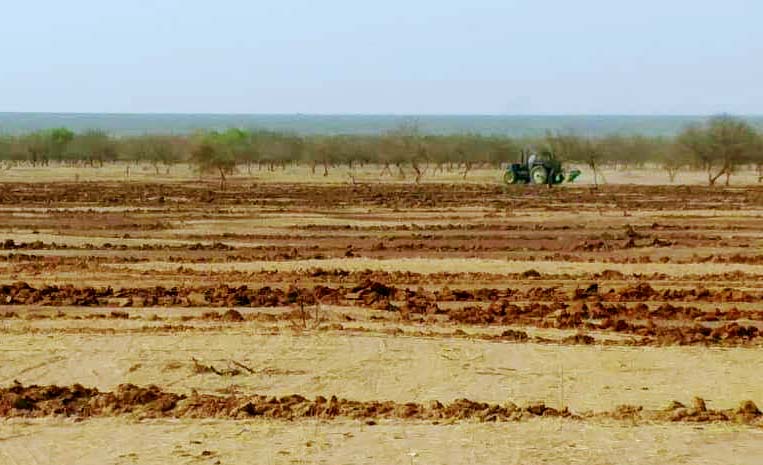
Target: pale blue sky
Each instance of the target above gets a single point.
(392, 56)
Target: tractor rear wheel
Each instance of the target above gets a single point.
(539, 175)
(510, 177)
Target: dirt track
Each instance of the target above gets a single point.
(445, 266)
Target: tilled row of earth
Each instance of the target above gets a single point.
(375, 294)
(320, 275)
(295, 327)
(223, 254)
(563, 242)
(384, 195)
(350, 277)
(727, 335)
(639, 310)
(154, 402)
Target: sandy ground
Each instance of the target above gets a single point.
(543, 441)
(394, 368)
(419, 265)
(648, 175)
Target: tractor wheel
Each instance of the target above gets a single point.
(558, 178)
(539, 175)
(510, 177)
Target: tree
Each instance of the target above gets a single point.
(502, 150)
(60, 139)
(250, 148)
(36, 147)
(575, 148)
(756, 156)
(212, 152)
(277, 148)
(293, 147)
(327, 150)
(7, 146)
(405, 144)
(629, 150)
(243, 146)
(719, 146)
(672, 161)
(357, 150)
(157, 150)
(95, 146)
(41, 146)
(413, 146)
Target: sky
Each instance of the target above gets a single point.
(389, 57)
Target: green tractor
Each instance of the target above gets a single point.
(538, 168)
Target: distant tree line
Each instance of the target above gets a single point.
(720, 147)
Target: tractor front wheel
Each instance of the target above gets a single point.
(539, 175)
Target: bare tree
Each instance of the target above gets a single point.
(672, 159)
(719, 146)
(575, 148)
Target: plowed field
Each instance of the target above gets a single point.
(380, 323)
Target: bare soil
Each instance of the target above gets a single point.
(381, 305)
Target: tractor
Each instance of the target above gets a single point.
(538, 168)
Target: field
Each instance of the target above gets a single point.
(293, 318)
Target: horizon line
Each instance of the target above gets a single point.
(651, 115)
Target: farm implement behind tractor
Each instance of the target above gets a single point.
(534, 168)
